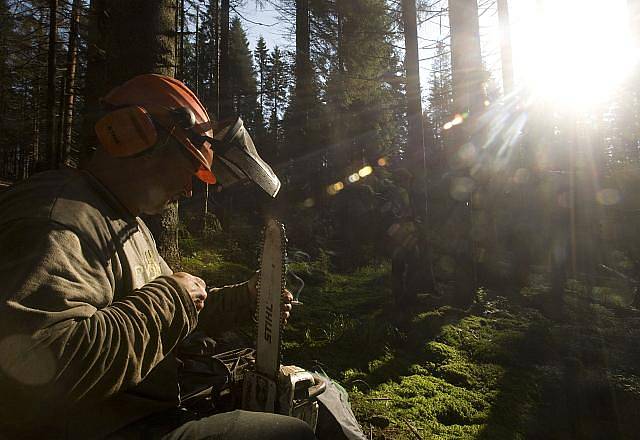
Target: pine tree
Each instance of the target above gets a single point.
(277, 82)
(6, 79)
(243, 89)
(209, 56)
(261, 55)
(441, 96)
(361, 99)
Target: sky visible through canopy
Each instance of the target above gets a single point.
(575, 50)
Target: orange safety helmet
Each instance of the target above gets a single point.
(148, 100)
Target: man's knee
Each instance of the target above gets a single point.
(244, 425)
(296, 429)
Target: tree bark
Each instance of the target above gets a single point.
(412, 71)
(51, 157)
(215, 72)
(72, 63)
(469, 97)
(466, 57)
(303, 71)
(224, 88)
(131, 39)
(506, 53)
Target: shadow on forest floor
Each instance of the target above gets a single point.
(504, 369)
(576, 377)
(501, 370)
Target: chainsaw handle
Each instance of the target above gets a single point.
(319, 387)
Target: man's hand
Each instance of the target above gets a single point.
(195, 286)
(287, 297)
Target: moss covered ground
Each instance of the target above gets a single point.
(504, 369)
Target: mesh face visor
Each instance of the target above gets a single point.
(237, 159)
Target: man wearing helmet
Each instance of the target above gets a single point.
(89, 311)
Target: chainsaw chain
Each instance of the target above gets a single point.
(283, 254)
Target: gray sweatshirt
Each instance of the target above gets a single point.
(88, 315)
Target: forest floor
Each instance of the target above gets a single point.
(501, 370)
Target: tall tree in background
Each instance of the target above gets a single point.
(70, 84)
(441, 97)
(303, 69)
(224, 72)
(468, 101)
(358, 95)
(6, 26)
(151, 24)
(261, 56)
(303, 98)
(466, 57)
(506, 53)
(209, 57)
(277, 82)
(52, 154)
(415, 139)
(243, 85)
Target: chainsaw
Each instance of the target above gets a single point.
(254, 379)
(270, 386)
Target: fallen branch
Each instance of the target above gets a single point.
(414, 430)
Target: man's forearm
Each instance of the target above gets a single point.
(93, 358)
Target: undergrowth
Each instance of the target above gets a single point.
(500, 370)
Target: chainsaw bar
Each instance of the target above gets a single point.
(271, 284)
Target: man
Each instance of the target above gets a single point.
(89, 312)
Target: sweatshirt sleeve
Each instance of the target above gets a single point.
(227, 308)
(62, 337)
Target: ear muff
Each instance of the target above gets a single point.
(126, 131)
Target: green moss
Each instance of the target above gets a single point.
(498, 371)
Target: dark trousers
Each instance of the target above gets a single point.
(235, 425)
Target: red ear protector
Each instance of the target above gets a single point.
(128, 131)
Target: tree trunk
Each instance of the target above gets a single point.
(72, 63)
(469, 98)
(303, 61)
(466, 57)
(197, 49)
(414, 100)
(181, 74)
(224, 88)
(215, 72)
(113, 59)
(51, 157)
(506, 53)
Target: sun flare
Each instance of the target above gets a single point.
(575, 52)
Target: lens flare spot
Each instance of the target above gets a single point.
(334, 189)
(457, 120)
(353, 178)
(365, 171)
(309, 203)
(383, 162)
(608, 196)
(462, 188)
